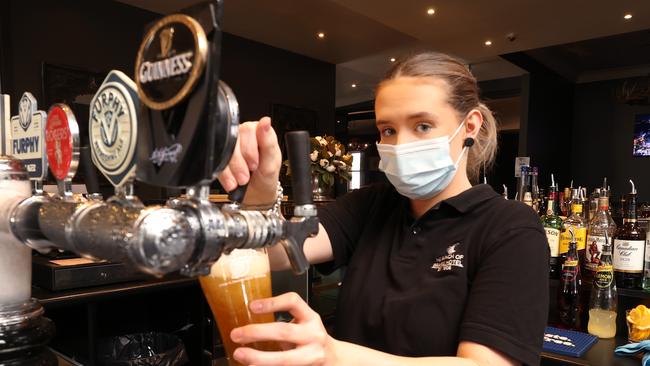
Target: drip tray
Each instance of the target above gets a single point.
(74, 273)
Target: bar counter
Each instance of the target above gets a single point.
(93, 299)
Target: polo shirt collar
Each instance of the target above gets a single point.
(469, 199)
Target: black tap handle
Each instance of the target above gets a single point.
(298, 150)
(237, 194)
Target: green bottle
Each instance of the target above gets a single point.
(552, 223)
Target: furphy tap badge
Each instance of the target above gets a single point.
(26, 133)
(62, 142)
(170, 61)
(5, 124)
(113, 127)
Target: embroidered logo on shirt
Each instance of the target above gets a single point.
(449, 261)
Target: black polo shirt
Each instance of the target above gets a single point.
(473, 268)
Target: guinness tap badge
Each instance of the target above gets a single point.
(189, 119)
(170, 61)
(166, 36)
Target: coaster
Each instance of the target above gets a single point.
(567, 342)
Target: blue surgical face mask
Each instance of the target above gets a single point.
(421, 169)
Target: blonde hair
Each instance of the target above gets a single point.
(463, 96)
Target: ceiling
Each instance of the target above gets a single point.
(620, 55)
(362, 35)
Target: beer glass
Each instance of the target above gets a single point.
(234, 281)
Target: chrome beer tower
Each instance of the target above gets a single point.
(176, 125)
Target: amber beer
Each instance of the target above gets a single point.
(235, 280)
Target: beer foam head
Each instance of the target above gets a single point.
(241, 263)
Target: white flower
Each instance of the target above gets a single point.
(324, 162)
(338, 152)
(330, 168)
(343, 167)
(330, 154)
(321, 141)
(314, 155)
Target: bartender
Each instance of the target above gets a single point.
(439, 272)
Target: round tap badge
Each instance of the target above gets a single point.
(62, 142)
(112, 127)
(170, 61)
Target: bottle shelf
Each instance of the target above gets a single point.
(622, 292)
(639, 294)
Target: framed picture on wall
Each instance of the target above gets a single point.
(70, 85)
(641, 135)
(76, 88)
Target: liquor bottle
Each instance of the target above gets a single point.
(602, 225)
(534, 188)
(618, 212)
(543, 200)
(629, 247)
(593, 202)
(568, 197)
(576, 222)
(646, 265)
(569, 306)
(563, 208)
(604, 300)
(585, 205)
(552, 226)
(528, 199)
(643, 215)
(523, 184)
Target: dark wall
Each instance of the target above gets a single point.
(602, 140)
(90, 35)
(262, 75)
(546, 119)
(101, 35)
(548, 127)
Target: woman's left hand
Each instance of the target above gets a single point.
(306, 337)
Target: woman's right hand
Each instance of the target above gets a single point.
(256, 160)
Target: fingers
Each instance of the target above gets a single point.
(269, 150)
(307, 355)
(278, 331)
(236, 173)
(256, 150)
(227, 180)
(248, 144)
(291, 302)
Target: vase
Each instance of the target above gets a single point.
(320, 190)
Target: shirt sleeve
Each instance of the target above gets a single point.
(344, 221)
(507, 309)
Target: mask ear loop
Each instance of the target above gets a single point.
(467, 143)
(460, 157)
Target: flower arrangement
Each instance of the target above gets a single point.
(328, 161)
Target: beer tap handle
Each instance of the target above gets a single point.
(237, 194)
(304, 223)
(297, 143)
